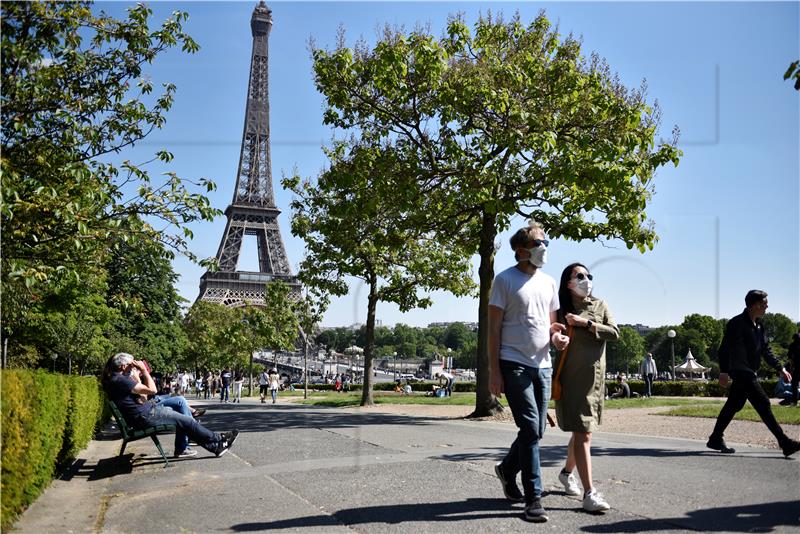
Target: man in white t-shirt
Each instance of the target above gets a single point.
(522, 325)
(446, 381)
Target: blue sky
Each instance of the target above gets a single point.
(715, 68)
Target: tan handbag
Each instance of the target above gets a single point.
(555, 392)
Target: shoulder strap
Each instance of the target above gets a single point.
(563, 357)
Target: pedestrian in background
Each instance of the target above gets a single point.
(580, 408)
(794, 356)
(743, 345)
(225, 385)
(274, 384)
(238, 381)
(648, 371)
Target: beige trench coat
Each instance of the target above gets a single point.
(583, 376)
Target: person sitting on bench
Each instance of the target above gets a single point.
(125, 392)
(623, 390)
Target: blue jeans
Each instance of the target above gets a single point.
(179, 404)
(274, 393)
(185, 425)
(528, 392)
(223, 393)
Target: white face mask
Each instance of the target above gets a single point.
(583, 288)
(538, 255)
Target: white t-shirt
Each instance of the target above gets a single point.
(526, 301)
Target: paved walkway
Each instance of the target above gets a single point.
(303, 469)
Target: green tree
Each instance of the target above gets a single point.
(141, 284)
(75, 91)
(793, 73)
(207, 326)
(627, 352)
(456, 336)
(706, 338)
(778, 328)
(474, 128)
(349, 218)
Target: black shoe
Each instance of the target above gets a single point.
(231, 437)
(198, 413)
(511, 491)
(718, 444)
(225, 442)
(535, 513)
(790, 447)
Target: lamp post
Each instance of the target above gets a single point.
(671, 335)
(54, 356)
(395, 365)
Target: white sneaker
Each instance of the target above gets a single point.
(570, 484)
(593, 501)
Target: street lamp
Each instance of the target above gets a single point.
(671, 335)
(395, 365)
(54, 356)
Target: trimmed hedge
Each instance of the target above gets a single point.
(666, 388)
(47, 419)
(688, 388)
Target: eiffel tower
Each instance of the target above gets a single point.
(253, 210)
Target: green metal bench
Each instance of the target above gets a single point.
(130, 434)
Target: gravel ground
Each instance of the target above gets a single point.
(641, 421)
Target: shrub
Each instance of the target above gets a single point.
(83, 415)
(46, 420)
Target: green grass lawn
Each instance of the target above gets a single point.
(786, 415)
(685, 407)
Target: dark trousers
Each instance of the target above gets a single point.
(648, 384)
(795, 381)
(745, 388)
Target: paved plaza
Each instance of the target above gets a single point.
(308, 469)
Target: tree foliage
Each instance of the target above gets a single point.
(476, 127)
(75, 92)
(350, 219)
(626, 353)
(793, 73)
(779, 328)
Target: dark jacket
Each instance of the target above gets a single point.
(743, 345)
(794, 353)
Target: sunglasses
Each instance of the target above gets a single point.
(581, 276)
(538, 242)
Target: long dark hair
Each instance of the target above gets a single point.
(108, 371)
(564, 293)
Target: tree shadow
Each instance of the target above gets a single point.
(469, 509)
(754, 518)
(267, 418)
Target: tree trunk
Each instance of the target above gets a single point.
(250, 385)
(486, 404)
(305, 366)
(369, 345)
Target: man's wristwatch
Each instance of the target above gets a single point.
(589, 323)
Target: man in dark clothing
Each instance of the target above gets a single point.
(740, 352)
(794, 356)
(126, 392)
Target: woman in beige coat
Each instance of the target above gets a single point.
(580, 408)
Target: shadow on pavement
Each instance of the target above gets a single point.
(598, 451)
(104, 468)
(478, 508)
(755, 518)
(261, 418)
